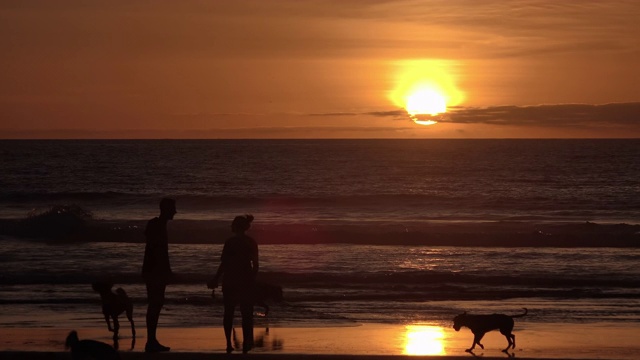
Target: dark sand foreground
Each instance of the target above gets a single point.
(363, 341)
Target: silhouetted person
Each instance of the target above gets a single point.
(156, 270)
(238, 267)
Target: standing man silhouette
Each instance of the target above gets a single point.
(156, 270)
(238, 268)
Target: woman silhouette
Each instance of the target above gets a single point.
(238, 269)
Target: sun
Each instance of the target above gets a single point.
(425, 88)
(426, 101)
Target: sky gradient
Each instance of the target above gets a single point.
(317, 68)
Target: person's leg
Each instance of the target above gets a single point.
(246, 307)
(155, 298)
(229, 300)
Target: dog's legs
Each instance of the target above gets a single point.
(130, 317)
(106, 318)
(511, 340)
(476, 340)
(472, 346)
(116, 326)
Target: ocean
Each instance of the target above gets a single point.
(302, 181)
(386, 217)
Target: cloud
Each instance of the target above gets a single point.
(397, 114)
(560, 115)
(266, 132)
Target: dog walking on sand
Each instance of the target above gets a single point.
(114, 304)
(481, 324)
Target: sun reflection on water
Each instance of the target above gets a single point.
(424, 340)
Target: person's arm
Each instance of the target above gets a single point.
(216, 277)
(213, 283)
(255, 259)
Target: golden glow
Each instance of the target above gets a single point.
(426, 101)
(422, 122)
(425, 88)
(424, 340)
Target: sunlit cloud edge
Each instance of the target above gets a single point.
(548, 115)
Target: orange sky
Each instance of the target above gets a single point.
(316, 68)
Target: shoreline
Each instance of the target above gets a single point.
(208, 356)
(365, 341)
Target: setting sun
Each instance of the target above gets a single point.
(424, 88)
(426, 101)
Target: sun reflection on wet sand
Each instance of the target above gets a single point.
(424, 340)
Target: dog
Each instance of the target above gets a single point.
(481, 324)
(264, 292)
(261, 293)
(89, 349)
(114, 304)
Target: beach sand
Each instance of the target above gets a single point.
(361, 341)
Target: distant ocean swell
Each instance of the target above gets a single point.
(280, 180)
(530, 231)
(393, 205)
(455, 200)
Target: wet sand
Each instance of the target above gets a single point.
(362, 341)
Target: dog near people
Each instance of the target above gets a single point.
(261, 293)
(481, 324)
(264, 292)
(89, 349)
(114, 304)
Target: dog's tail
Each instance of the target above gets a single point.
(521, 315)
(72, 339)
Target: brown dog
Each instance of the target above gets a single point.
(89, 349)
(481, 324)
(114, 304)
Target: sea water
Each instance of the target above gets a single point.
(347, 180)
(366, 185)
